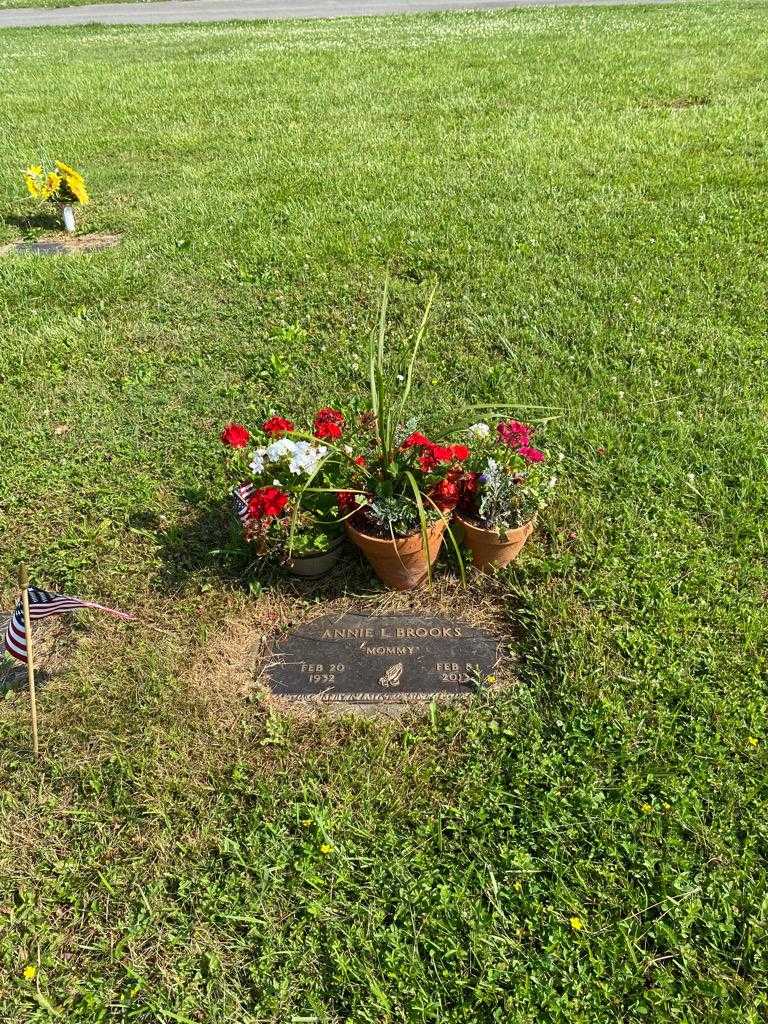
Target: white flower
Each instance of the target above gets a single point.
(306, 457)
(257, 462)
(552, 482)
(479, 430)
(276, 450)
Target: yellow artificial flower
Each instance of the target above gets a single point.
(52, 184)
(74, 181)
(30, 972)
(577, 924)
(33, 186)
(326, 848)
(67, 171)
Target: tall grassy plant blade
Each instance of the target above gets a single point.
(376, 369)
(414, 352)
(423, 525)
(453, 541)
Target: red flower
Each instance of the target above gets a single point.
(346, 501)
(328, 424)
(531, 454)
(327, 431)
(277, 425)
(442, 453)
(359, 460)
(427, 461)
(235, 435)
(515, 434)
(416, 440)
(460, 452)
(445, 495)
(267, 502)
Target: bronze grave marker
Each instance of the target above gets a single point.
(381, 659)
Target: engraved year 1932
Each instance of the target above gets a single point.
(325, 675)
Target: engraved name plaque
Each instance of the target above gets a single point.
(366, 659)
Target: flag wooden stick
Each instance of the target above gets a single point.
(24, 584)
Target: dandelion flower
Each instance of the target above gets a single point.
(576, 923)
(753, 741)
(30, 972)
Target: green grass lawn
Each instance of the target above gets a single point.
(588, 189)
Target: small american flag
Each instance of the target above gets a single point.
(41, 605)
(241, 496)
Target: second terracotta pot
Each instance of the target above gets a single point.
(399, 563)
(491, 549)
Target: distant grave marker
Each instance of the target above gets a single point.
(60, 246)
(381, 659)
(43, 248)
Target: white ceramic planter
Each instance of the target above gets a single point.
(316, 565)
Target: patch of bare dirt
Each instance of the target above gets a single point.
(229, 669)
(62, 244)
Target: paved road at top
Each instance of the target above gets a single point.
(160, 12)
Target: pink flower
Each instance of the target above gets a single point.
(531, 454)
(515, 434)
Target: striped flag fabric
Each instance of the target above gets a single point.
(42, 604)
(241, 495)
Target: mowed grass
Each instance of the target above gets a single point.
(588, 189)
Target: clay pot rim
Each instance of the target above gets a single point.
(502, 538)
(388, 541)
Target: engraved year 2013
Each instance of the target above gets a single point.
(453, 672)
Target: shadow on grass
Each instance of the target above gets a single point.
(32, 223)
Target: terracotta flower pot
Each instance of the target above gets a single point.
(311, 566)
(399, 563)
(489, 549)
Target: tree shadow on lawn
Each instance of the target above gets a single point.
(210, 543)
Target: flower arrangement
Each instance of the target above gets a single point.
(281, 513)
(61, 184)
(505, 484)
(392, 488)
